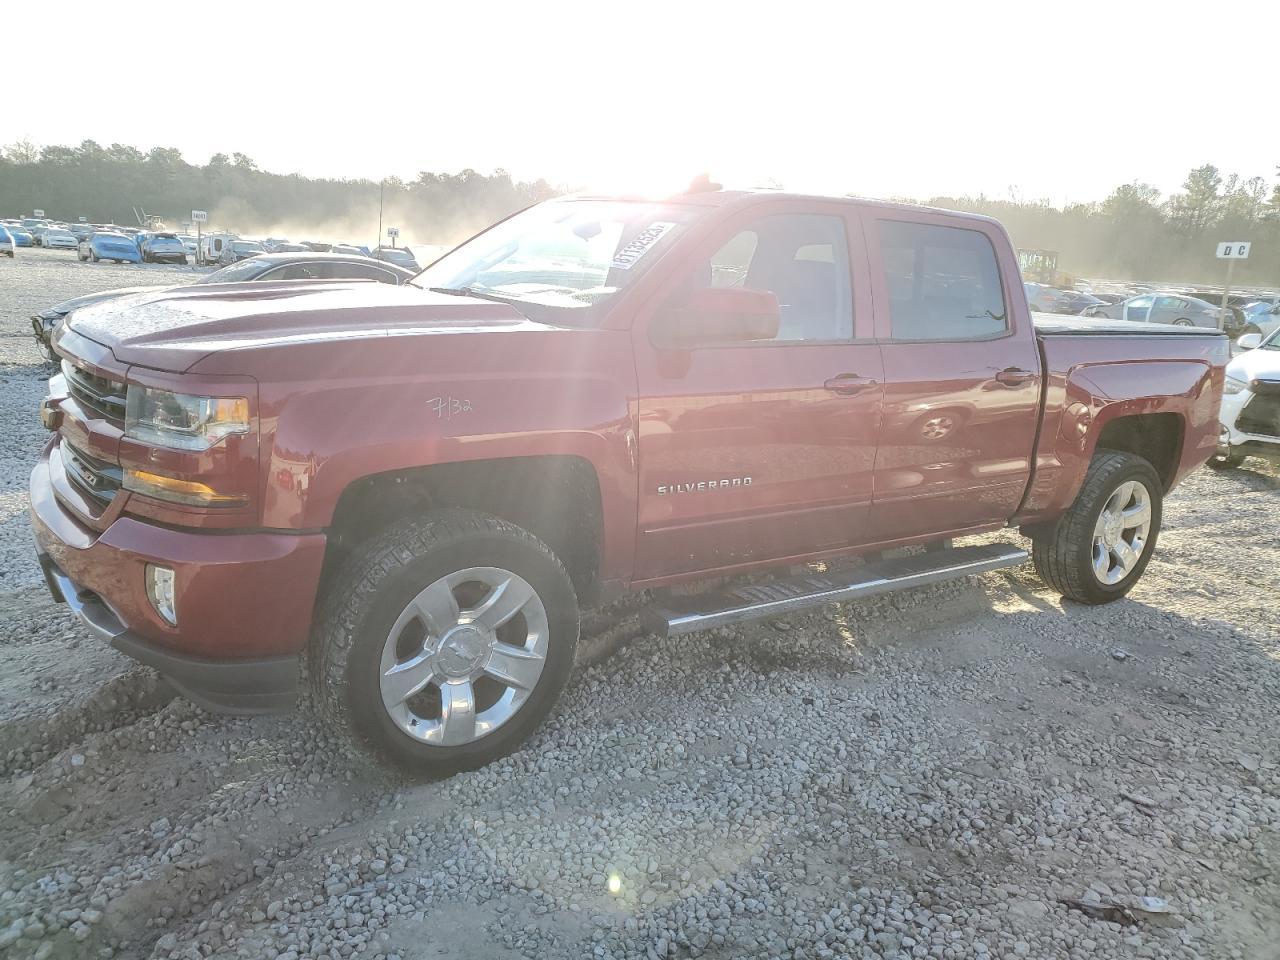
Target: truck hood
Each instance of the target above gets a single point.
(1255, 364)
(176, 328)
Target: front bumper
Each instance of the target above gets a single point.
(1231, 439)
(244, 600)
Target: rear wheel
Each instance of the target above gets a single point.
(444, 642)
(1100, 547)
(1183, 322)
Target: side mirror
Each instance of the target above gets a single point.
(717, 315)
(1249, 341)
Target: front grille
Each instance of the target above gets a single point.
(103, 395)
(97, 479)
(1261, 415)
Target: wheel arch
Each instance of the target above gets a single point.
(1156, 437)
(556, 497)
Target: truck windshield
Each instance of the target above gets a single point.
(559, 260)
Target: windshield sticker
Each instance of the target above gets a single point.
(628, 256)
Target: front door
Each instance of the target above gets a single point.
(961, 373)
(763, 451)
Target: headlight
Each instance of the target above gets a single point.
(181, 421)
(1232, 386)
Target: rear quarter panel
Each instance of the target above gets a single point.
(1092, 380)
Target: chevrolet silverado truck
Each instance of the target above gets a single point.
(389, 504)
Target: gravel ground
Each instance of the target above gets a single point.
(971, 770)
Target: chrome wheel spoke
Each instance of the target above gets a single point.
(403, 680)
(1137, 515)
(1101, 561)
(457, 713)
(504, 601)
(514, 666)
(437, 607)
(1125, 555)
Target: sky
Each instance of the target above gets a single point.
(1033, 100)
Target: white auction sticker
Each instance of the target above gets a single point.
(628, 256)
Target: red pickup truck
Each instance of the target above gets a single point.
(397, 500)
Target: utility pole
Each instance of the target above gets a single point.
(382, 186)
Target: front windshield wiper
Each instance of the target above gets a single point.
(472, 292)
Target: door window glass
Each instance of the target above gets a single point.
(943, 282)
(803, 259)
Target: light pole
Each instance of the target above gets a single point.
(382, 185)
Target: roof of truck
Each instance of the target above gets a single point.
(722, 197)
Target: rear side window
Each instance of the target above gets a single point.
(943, 282)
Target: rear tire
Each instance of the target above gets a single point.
(1183, 322)
(1090, 558)
(393, 614)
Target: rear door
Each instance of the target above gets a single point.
(961, 374)
(1137, 308)
(765, 450)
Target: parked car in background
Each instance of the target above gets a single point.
(109, 246)
(400, 256)
(1046, 299)
(350, 249)
(163, 248)
(286, 246)
(1250, 411)
(21, 236)
(240, 250)
(1179, 310)
(1260, 316)
(6, 242)
(81, 231)
(38, 232)
(268, 266)
(1077, 302)
(189, 244)
(55, 238)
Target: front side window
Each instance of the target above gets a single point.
(563, 259)
(803, 259)
(943, 282)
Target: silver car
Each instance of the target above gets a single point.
(1174, 308)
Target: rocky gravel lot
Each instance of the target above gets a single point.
(972, 770)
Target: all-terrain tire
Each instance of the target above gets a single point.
(367, 594)
(1063, 553)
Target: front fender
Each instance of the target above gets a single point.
(484, 397)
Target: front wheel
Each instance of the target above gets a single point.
(1100, 547)
(444, 642)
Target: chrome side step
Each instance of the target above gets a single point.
(777, 597)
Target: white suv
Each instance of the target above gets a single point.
(1250, 411)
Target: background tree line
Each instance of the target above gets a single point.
(105, 184)
(1134, 234)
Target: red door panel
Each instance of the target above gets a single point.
(763, 451)
(962, 377)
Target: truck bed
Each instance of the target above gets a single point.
(1057, 325)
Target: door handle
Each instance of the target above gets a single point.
(1014, 376)
(848, 384)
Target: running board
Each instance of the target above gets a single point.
(777, 597)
